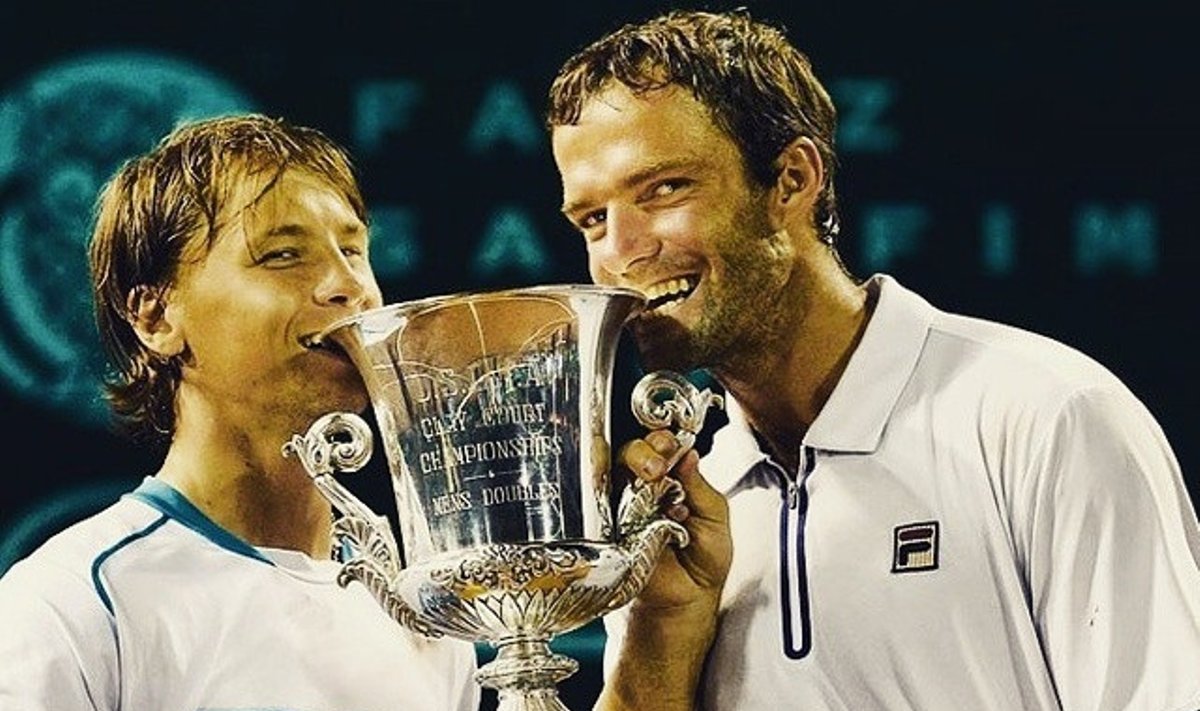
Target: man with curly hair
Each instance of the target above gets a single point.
(928, 511)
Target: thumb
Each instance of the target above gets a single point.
(700, 497)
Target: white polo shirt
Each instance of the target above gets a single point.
(985, 519)
(150, 606)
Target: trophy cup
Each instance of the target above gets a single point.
(493, 411)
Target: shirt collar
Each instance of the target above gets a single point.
(167, 500)
(854, 417)
(858, 409)
(734, 452)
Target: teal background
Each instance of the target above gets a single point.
(1028, 163)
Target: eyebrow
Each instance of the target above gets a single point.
(639, 176)
(286, 230)
(291, 229)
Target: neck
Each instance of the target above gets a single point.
(240, 480)
(784, 384)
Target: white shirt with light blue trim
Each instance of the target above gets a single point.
(985, 519)
(150, 606)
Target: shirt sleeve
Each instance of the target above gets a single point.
(57, 643)
(1113, 568)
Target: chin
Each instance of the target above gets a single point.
(664, 347)
(339, 396)
(352, 400)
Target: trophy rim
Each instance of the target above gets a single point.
(429, 301)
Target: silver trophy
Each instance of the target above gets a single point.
(493, 410)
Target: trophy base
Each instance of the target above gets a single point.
(531, 701)
(524, 674)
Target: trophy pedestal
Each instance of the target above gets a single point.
(525, 673)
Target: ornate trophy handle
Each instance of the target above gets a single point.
(363, 540)
(662, 399)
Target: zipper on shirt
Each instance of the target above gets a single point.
(807, 461)
(793, 495)
(794, 602)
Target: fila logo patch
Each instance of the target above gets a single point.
(915, 547)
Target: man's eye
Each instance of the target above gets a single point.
(592, 219)
(668, 187)
(280, 256)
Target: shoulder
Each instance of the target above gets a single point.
(975, 370)
(63, 571)
(1019, 395)
(60, 640)
(1012, 355)
(1038, 386)
(1007, 379)
(1067, 415)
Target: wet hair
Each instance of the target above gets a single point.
(165, 206)
(759, 89)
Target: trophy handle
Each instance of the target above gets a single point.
(363, 540)
(661, 399)
(336, 442)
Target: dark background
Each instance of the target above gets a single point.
(1030, 164)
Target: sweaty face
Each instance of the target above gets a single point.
(283, 267)
(663, 201)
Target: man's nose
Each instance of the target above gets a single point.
(343, 283)
(628, 241)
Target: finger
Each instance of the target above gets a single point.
(678, 513)
(708, 556)
(664, 442)
(701, 498)
(640, 458)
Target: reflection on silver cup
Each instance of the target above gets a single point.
(493, 411)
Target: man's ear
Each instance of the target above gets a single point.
(799, 177)
(149, 311)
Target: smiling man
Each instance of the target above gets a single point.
(928, 511)
(216, 258)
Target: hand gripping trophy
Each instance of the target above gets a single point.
(493, 410)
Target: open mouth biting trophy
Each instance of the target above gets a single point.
(494, 413)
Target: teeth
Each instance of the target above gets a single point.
(310, 341)
(669, 289)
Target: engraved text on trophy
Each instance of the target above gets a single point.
(492, 446)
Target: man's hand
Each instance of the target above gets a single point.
(673, 620)
(694, 574)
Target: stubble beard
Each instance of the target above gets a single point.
(310, 393)
(745, 314)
